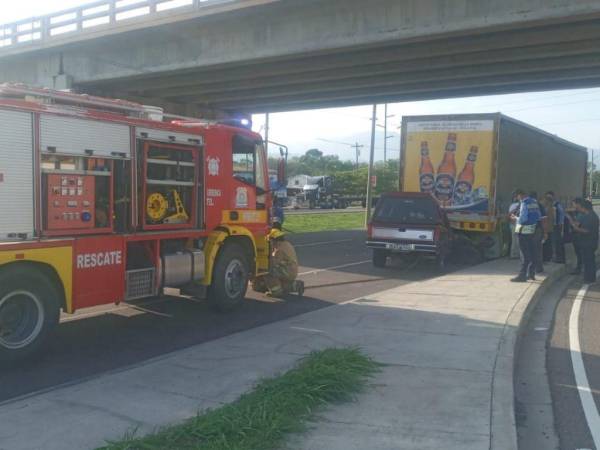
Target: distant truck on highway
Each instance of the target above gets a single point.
(471, 164)
(322, 192)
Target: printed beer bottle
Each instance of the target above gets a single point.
(426, 174)
(446, 174)
(464, 183)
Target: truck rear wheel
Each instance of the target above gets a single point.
(379, 257)
(29, 312)
(230, 278)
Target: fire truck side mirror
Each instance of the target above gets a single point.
(281, 172)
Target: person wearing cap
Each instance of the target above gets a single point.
(281, 279)
(526, 224)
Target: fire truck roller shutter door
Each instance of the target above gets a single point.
(16, 175)
(76, 136)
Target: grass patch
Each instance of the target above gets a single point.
(306, 223)
(263, 417)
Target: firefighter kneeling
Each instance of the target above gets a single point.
(281, 280)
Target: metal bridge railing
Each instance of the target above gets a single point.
(102, 13)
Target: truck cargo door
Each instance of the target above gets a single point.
(16, 176)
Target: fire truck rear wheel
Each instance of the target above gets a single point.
(230, 278)
(29, 312)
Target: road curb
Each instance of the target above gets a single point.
(503, 433)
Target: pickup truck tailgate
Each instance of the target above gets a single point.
(401, 233)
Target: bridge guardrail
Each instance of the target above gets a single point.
(88, 17)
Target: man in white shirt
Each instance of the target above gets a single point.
(513, 210)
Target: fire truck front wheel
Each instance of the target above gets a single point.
(29, 311)
(230, 278)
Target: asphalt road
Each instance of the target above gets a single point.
(335, 266)
(571, 424)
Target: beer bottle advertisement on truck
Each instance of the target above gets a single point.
(461, 153)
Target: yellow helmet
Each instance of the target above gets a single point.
(275, 234)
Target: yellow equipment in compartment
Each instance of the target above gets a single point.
(157, 208)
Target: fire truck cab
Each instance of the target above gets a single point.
(103, 201)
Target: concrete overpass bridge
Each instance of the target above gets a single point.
(272, 55)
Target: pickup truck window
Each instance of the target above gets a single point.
(406, 210)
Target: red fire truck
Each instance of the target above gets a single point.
(104, 201)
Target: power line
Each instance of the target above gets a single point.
(554, 104)
(356, 147)
(562, 122)
(501, 104)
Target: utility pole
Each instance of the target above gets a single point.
(592, 175)
(385, 134)
(267, 134)
(370, 170)
(385, 121)
(400, 155)
(357, 148)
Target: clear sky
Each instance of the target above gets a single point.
(573, 115)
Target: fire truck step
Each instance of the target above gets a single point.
(195, 290)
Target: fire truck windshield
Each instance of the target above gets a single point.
(250, 164)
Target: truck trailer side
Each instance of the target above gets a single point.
(471, 163)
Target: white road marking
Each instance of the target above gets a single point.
(314, 244)
(326, 269)
(310, 330)
(581, 380)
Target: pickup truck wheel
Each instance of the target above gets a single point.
(230, 278)
(29, 312)
(379, 258)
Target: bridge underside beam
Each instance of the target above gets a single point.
(539, 58)
(322, 53)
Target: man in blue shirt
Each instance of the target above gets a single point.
(538, 236)
(558, 244)
(526, 224)
(278, 214)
